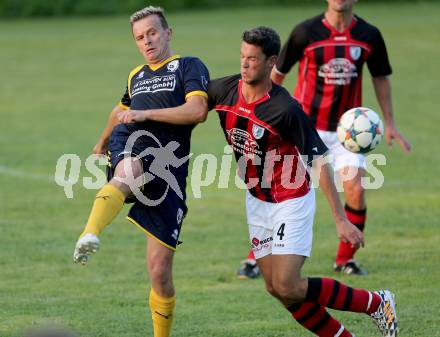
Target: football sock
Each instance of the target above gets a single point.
(335, 295)
(345, 250)
(162, 313)
(251, 255)
(315, 318)
(108, 203)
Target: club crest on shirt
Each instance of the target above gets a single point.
(141, 75)
(355, 52)
(242, 142)
(173, 65)
(257, 131)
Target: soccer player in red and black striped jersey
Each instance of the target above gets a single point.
(268, 131)
(331, 49)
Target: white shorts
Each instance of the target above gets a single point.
(341, 157)
(281, 228)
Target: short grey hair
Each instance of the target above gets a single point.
(147, 11)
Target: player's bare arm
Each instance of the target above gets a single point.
(346, 230)
(382, 87)
(102, 144)
(193, 111)
(277, 77)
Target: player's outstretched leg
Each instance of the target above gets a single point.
(108, 203)
(308, 298)
(379, 305)
(316, 318)
(282, 277)
(249, 268)
(85, 246)
(385, 316)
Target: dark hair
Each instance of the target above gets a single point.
(264, 37)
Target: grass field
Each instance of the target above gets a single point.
(61, 77)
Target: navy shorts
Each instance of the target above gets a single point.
(161, 217)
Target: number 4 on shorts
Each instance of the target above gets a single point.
(280, 232)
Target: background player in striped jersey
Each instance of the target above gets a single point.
(172, 85)
(268, 130)
(331, 49)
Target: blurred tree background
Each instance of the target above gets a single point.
(45, 8)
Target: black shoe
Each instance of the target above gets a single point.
(248, 270)
(350, 268)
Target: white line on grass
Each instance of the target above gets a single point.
(25, 175)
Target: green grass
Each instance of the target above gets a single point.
(61, 77)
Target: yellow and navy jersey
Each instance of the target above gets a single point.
(166, 85)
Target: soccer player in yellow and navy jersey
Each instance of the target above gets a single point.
(159, 151)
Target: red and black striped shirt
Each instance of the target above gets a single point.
(268, 137)
(330, 66)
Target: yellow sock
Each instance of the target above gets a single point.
(108, 203)
(162, 313)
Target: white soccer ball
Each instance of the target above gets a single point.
(360, 130)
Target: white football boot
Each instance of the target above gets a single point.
(85, 246)
(385, 316)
